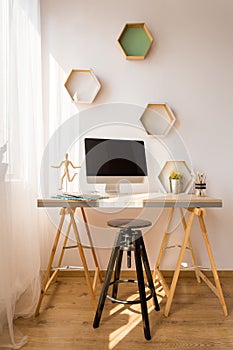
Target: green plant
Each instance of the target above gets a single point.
(176, 175)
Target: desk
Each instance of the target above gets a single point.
(196, 207)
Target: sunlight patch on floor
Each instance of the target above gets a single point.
(134, 317)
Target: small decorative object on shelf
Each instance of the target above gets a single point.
(82, 85)
(176, 182)
(200, 184)
(179, 166)
(66, 163)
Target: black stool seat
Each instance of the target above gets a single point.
(128, 239)
(129, 223)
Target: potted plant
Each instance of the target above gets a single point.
(176, 181)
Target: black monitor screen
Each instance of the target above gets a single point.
(112, 157)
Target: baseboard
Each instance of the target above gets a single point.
(131, 273)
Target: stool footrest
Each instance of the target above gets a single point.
(131, 302)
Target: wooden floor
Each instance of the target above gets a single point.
(196, 320)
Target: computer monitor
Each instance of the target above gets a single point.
(111, 161)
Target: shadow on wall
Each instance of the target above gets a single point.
(3, 166)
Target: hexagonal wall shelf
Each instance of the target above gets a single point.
(158, 119)
(135, 41)
(82, 85)
(178, 165)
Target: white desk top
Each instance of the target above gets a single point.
(137, 201)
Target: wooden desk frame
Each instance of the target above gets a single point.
(193, 204)
(49, 278)
(216, 289)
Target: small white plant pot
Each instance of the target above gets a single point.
(176, 186)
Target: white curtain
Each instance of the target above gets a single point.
(21, 145)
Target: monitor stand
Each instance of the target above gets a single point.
(112, 188)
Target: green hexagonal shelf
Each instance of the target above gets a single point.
(158, 119)
(135, 41)
(82, 85)
(180, 166)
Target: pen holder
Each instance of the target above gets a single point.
(200, 189)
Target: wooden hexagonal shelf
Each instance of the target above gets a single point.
(180, 166)
(82, 85)
(158, 119)
(135, 41)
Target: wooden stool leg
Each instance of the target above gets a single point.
(178, 264)
(213, 266)
(102, 298)
(141, 287)
(47, 279)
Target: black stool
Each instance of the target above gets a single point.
(128, 240)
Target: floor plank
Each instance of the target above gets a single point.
(196, 320)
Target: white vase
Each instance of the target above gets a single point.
(176, 186)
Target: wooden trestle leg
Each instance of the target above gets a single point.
(216, 289)
(51, 276)
(47, 278)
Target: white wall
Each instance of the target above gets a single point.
(189, 66)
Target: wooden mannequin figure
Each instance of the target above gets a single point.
(66, 163)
